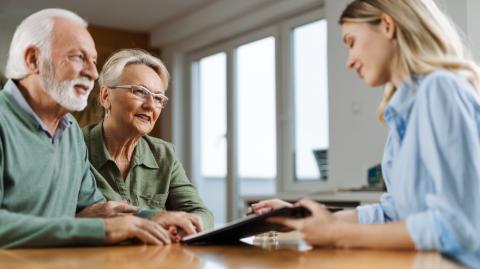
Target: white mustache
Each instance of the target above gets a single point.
(82, 81)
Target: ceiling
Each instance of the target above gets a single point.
(134, 15)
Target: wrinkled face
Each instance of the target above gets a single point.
(370, 52)
(134, 114)
(69, 75)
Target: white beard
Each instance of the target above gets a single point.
(64, 92)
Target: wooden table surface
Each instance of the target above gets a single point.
(281, 254)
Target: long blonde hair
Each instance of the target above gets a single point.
(427, 40)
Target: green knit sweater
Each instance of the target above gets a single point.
(43, 185)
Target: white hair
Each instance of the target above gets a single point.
(113, 68)
(35, 31)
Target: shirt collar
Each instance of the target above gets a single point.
(11, 88)
(100, 155)
(398, 109)
(144, 155)
(98, 149)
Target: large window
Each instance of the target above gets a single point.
(260, 117)
(213, 115)
(311, 100)
(211, 103)
(255, 84)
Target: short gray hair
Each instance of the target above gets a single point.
(35, 30)
(113, 68)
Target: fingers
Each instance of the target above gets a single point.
(174, 234)
(272, 203)
(119, 229)
(161, 233)
(262, 204)
(263, 211)
(311, 205)
(126, 208)
(268, 205)
(153, 233)
(186, 226)
(197, 222)
(187, 222)
(146, 237)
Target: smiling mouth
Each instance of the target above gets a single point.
(81, 89)
(143, 117)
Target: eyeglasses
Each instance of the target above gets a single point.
(160, 100)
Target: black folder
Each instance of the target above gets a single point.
(232, 232)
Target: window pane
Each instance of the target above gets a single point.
(255, 79)
(310, 100)
(211, 85)
(213, 124)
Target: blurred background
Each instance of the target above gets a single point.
(261, 103)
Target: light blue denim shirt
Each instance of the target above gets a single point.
(12, 89)
(431, 166)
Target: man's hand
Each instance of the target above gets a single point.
(107, 210)
(119, 229)
(187, 223)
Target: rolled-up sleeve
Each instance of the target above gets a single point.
(448, 153)
(382, 212)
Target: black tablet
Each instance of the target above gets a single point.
(255, 224)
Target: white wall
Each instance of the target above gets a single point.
(356, 137)
(473, 26)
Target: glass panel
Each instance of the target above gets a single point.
(255, 77)
(310, 100)
(213, 123)
(213, 127)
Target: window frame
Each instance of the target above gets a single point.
(289, 181)
(281, 31)
(228, 47)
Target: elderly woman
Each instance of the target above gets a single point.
(133, 166)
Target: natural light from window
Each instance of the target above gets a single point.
(213, 122)
(255, 79)
(310, 98)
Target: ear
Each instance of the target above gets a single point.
(32, 60)
(388, 25)
(104, 97)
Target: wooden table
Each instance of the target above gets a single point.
(283, 253)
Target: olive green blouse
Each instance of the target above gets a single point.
(156, 179)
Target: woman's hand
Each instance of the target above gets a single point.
(179, 223)
(316, 229)
(267, 206)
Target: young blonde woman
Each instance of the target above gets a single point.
(431, 162)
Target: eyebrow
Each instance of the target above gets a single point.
(161, 92)
(345, 38)
(85, 53)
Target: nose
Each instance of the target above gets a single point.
(90, 70)
(149, 102)
(350, 62)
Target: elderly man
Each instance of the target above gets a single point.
(45, 177)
